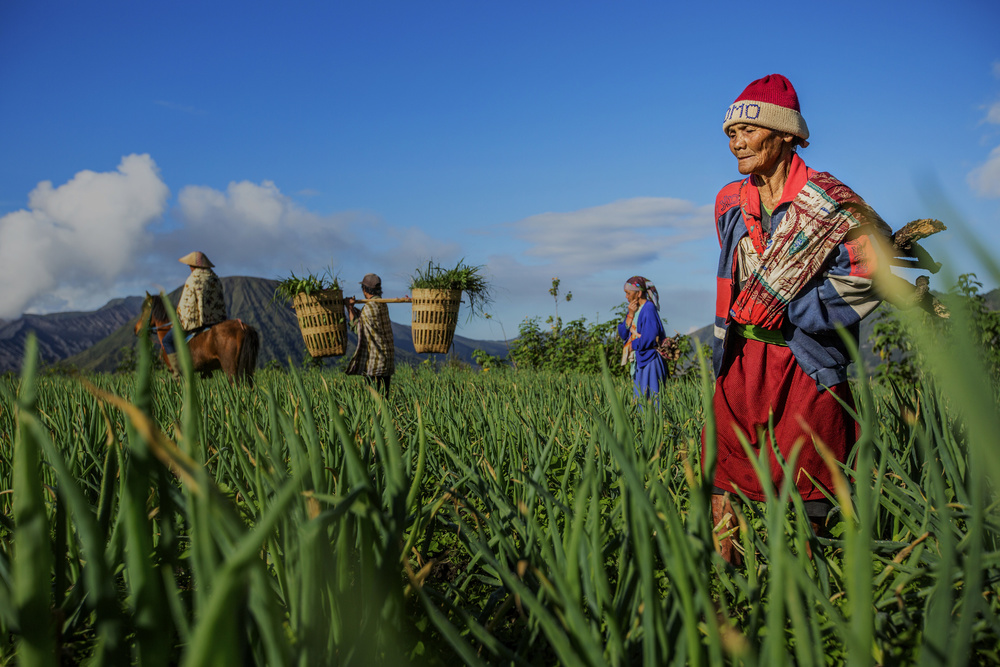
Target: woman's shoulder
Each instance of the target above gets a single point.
(728, 197)
(832, 186)
(649, 312)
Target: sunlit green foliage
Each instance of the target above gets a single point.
(900, 358)
(479, 518)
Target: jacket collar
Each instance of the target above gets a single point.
(798, 175)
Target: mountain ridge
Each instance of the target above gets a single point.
(95, 340)
(62, 335)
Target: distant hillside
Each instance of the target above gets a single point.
(993, 299)
(94, 340)
(61, 335)
(249, 299)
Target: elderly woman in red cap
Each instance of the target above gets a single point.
(799, 250)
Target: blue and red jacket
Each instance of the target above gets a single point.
(842, 293)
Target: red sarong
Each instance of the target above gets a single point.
(760, 378)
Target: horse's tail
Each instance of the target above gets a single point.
(246, 364)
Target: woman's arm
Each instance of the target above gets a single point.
(623, 329)
(649, 328)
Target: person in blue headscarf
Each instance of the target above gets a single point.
(642, 332)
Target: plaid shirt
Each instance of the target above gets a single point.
(375, 354)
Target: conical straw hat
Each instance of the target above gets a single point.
(196, 258)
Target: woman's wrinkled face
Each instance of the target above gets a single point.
(758, 150)
(632, 296)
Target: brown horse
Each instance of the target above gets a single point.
(230, 345)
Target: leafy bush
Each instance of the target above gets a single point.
(893, 342)
(578, 346)
(488, 361)
(573, 347)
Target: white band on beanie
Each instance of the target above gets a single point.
(764, 114)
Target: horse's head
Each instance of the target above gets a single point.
(153, 314)
(143, 321)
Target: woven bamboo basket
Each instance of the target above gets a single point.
(322, 322)
(435, 314)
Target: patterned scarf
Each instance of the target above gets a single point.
(628, 354)
(818, 219)
(648, 289)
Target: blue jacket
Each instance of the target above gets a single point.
(650, 329)
(842, 293)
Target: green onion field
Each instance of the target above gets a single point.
(500, 518)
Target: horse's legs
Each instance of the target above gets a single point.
(226, 353)
(219, 348)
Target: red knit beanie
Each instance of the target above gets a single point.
(769, 102)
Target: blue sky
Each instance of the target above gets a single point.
(574, 139)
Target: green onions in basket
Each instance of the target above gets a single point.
(308, 284)
(469, 279)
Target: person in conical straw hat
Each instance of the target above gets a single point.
(799, 256)
(196, 259)
(202, 302)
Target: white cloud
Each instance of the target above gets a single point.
(993, 115)
(985, 179)
(685, 286)
(621, 233)
(92, 239)
(256, 208)
(254, 229)
(80, 236)
(594, 250)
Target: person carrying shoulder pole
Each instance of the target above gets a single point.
(374, 357)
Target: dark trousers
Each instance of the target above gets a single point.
(816, 510)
